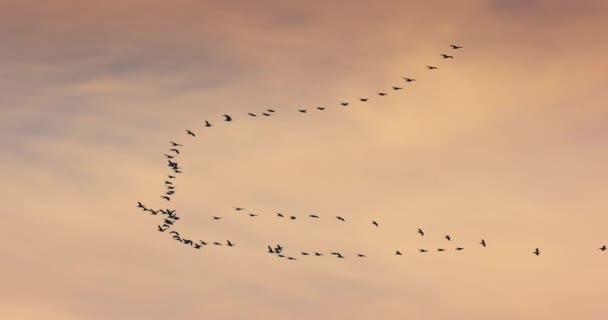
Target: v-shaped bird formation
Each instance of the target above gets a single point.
(169, 222)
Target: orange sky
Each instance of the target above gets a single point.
(507, 142)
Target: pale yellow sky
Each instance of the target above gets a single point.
(506, 142)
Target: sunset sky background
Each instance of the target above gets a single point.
(508, 142)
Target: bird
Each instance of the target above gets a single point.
(440, 249)
(217, 243)
(175, 150)
(344, 103)
(174, 232)
(397, 88)
(270, 250)
(280, 256)
(455, 46)
(320, 108)
(230, 244)
(161, 229)
(459, 248)
(170, 187)
(176, 171)
(318, 254)
(169, 222)
(445, 56)
(278, 248)
(375, 223)
(152, 211)
(431, 67)
(339, 256)
(304, 253)
(139, 205)
(422, 250)
(340, 218)
(398, 253)
(238, 209)
(252, 114)
(172, 164)
(171, 177)
(166, 198)
(302, 110)
(280, 215)
(603, 248)
(266, 114)
(408, 79)
(360, 255)
(536, 252)
(291, 258)
(227, 118)
(207, 124)
(313, 216)
(190, 133)
(382, 93)
(270, 110)
(197, 246)
(203, 242)
(168, 182)
(216, 218)
(448, 237)
(421, 232)
(175, 144)
(188, 242)
(253, 215)
(363, 99)
(292, 218)
(483, 242)
(169, 156)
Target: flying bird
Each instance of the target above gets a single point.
(168, 182)
(291, 258)
(536, 252)
(318, 254)
(382, 93)
(375, 223)
(171, 177)
(197, 246)
(421, 232)
(190, 133)
(398, 253)
(238, 209)
(169, 222)
(230, 244)
(280, 215)
(175, 150)
(445, 56)
(253, 215)
(455, 46)
(227, 118)
(169, 156)
(139, 205)
(280, 256)
(304, 253)
(431, 67)
(459, 248)
(603, 248)
(483, 242)
(397, 88)
(302, 110)
(270, 250)
(408, 79)
(161, 229)
(270, 110)
(217, 243)
(216, 218)
(203, 242)
(448, 237)
(340, 218)
(174, 144)
(344, 103)
(320, 108)
(166, 198)
(266, 114)
(422, 250)
(252, 114)
(314, 216)
(440, 249)
(363, 99)
(188, 242)
(207, 124)
(292, 218)
(360, 255)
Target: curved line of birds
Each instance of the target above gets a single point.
(275, 249)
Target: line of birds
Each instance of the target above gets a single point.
(277, 250)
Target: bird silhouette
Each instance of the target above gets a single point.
(216, 218)
(252, 114)
(421, 232)
(203, 242)
(313, 216)
(603, 248)
(431, 67)
(320, 108)
(168, 182)
(422, 250)
(318, 254)
(169, 222)
(375, 223)
(363, 99)
(139, 205)
(169, 156)
(408, 79)
(304, 253)
(270, 110)
(190, 133)
(460, 248)
(253, 215)
(230, 244)
(361, 255)
(382, 93)
(170, 187)
(166, 198)
(227, 118)
(302, 110)
(483, 242)
(280, 215)
(171, 177)
(197, 246)
(536, 252)
(445, 56)
(172, 164)
(397, 88)
(291, 258)
(455, 46)
(340, 218)
(292, 218)
(280, 256)
(344, 103)
(208, 124)
(270, 250)
(174, 232)
(188, 242)
(238, 209)
(175, 150)
(161, 229)
(175, 144)
(217, 243)
(266, 114)
(398, 253)
(440, 249)
(448, 237)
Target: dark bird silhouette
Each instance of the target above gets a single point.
(253, 215)
(270, 250)
(375, 223)
(280, 215)
(460, 248)
(339, 256)
(168, 182)
(320, 108)
(166, 198)
(169, 156)
(227, 118)
(340, 218)
(175, 144)
(197, 246)
(421, 232)
(455, 46)
(313, 216)
(230, 244)
(422, 250)
(304, 253)
(344, 103)
(445, 56)
(536, 252)
(171, 177)
(291, 258)
(440, 249)
(266, 114)
(252, 114)
(188, 242)
(208, 124)
(431, 67)
(216, 218)
(169, 222)
(363, 99)
(302, 110)
(397, 88)
(280, 256)
(217, 243)
(408, 79)
(139, 205)
(278, 248)
(483, 242)
(190, 133)
(170, 187)
(174, 232)
(238, 209)
(172, 164)
(177, 238)
(603, 248)
(177, 171)
(270, 110)
(175, 150)
(398, 253)
(161, 229)
(318, 254)
(152, 212)
(360, 255)
(448, 237)
(203, 242)
(382, 93)
(292, 218)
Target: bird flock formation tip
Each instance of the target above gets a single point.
(171, 217)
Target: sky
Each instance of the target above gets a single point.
(507, 142)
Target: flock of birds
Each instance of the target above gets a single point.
(277, 250)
